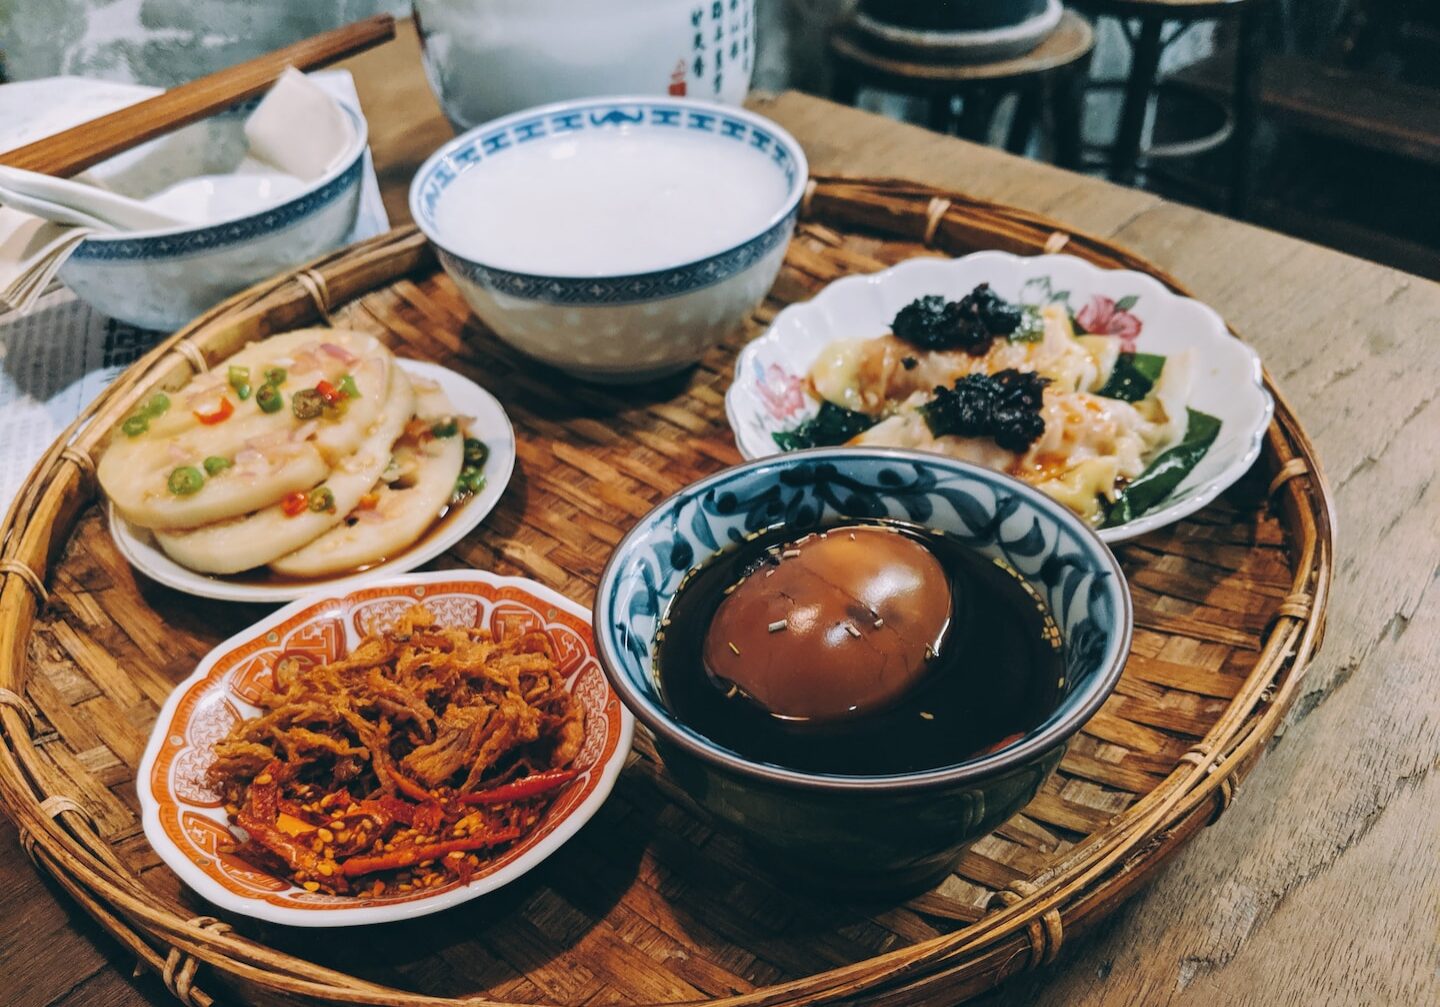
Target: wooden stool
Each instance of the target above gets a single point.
(1147, 44)
(1058, 65)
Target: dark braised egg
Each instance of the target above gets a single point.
(832, 627)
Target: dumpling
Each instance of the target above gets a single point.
(264, 455)
(256, 539)
(415, 490)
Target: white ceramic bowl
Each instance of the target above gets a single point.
(182, 816)
(769, 393)
(612, 302)
(492, 57)
(161, 279)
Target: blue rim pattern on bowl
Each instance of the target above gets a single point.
(495, 138)
(176, 242)
(998, 516)
(625, 289)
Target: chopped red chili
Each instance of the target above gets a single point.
(356, 866)
(294, 504)
(330, 393)
(222, 412)
(519, 790)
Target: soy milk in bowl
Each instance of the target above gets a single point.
(616, 238)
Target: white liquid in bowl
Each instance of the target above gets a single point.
(609, 203)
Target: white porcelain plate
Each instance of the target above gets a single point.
(490, 424)
(769, 392)
(187, 826)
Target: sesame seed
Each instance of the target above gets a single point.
(735, 649)
(790, 554)
(264, 778)
(852, 630)
(929, 652)
(879, 623)
(927, 715)
(778, 625)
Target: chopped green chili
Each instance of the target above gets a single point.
(269, 399)
(156, 406)
(185, 480)
(476, 453)
(307, 403)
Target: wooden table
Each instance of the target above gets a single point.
(1322, 883)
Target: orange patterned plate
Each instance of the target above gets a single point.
(183, 818)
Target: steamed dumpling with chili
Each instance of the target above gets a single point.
(252, 540)
(414, 490)
(274, 418)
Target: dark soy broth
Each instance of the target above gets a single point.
(998, 673)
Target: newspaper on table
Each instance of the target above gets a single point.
(55, 360)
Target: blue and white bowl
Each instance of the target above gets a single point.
(875, 833)
(161, 279)
(615, 238)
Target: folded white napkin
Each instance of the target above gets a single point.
(297, 128)
(31, 252)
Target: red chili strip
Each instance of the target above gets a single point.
(529, 786)
(356, 866)
(222, 412)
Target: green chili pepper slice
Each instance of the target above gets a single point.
(215, 464)
(275, 375)
(307, 403)
(269, 399)
(185, 480)
(476, 452)
(321, 499)
(445, 428)
(135, 425)
(240, 381)
(347, 386)
(156, 406)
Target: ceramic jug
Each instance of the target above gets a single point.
(486, 58)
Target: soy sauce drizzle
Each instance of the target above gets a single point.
(999, 670)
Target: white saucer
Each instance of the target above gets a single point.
(490, 425)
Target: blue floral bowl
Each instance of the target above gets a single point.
(874, 834)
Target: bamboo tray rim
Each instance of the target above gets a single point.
(1029, 915)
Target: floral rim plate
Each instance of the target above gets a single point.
(768, 394)
(185, 823)
(491, 425)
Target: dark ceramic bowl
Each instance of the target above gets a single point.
(874, 834)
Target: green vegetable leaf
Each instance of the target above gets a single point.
(1166, 472)
(831, 425)
(1127, 302)
(1133, 377)
(1031, 328)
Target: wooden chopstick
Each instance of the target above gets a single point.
(89, 143)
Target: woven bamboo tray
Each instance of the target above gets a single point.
(650, 904)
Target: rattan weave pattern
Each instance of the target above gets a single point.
(649, 904)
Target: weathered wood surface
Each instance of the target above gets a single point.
(1321, 884)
